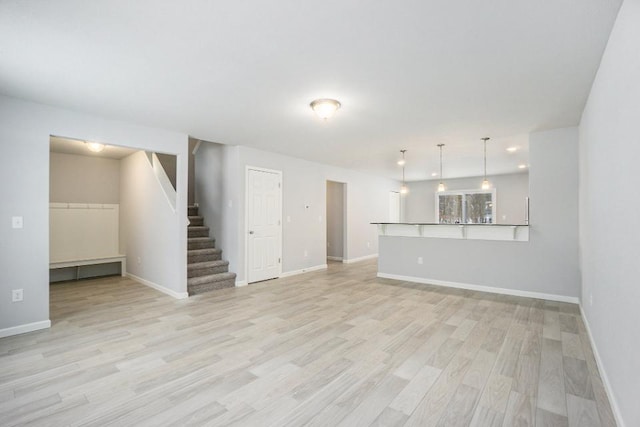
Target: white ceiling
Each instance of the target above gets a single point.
(74, 146)
(409, 74)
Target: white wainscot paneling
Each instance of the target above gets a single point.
(80, 231)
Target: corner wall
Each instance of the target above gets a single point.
(609, 236)
(148, 227)
(25, 128)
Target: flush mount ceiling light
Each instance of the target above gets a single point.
(523, 166)
(512, 149)
(441, 185)
(403, 188)
(325, 108)
(485, 182)
(96, 147)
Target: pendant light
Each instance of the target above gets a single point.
(403, 188)
(441, 185)
(485, 182)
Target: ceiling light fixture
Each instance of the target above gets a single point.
(441, 185)
(522, 166)
(485, 182)
(434, 173)
(512, 149)
(96, 147)
(403, 188)
(325, 108)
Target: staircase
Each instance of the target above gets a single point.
(206, 270)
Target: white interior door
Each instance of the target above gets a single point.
(394, 206)
(264, 224)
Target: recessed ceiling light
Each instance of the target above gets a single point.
(325, 108)
(522, 166)
(434, 173)
(96, 147)
(512, 149)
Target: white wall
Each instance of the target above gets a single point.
(304, 183)
(546, 264)
(83, 179)
(609, 236)
(25, 129)
(511, 190)
(335, 219)
(148, 225)
(208, 188)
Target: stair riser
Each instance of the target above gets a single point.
(203, 258)
(201, 245)
(196, 221)
(207, 271)
(197, 233)
(206, 287)
(192, 211)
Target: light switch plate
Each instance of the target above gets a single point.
(16, 222)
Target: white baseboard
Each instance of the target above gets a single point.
(334, 258)
(304, 270)
(23, 329)
(603, 374)
(482, 288)
(362, 258)
(242, 283)
(177, 295)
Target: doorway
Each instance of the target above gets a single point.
(264, 224)
(336, 221)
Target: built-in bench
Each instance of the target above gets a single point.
(122, 259)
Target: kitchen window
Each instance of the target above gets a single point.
(466, 207)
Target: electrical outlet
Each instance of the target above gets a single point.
(420, 260)
(590, 299)
(17, 295)
(368, 244)
(320, 218)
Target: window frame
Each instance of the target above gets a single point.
(463, 193)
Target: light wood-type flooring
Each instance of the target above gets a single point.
(329, 348)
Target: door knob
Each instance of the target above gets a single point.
(251, 232)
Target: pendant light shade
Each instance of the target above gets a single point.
(485, 182)
(441, 187)
(403, 188)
